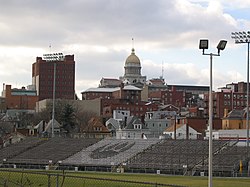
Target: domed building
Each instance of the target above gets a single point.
(132, 69)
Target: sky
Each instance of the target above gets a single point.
(99, 33)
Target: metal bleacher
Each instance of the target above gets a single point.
(51, 150)
(18, 148)
(174, 155)
(109, 152)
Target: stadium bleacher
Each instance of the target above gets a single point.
(109, 152)
(174, 156)
(54, 149)
(18, 148)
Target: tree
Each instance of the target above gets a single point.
(68, 118)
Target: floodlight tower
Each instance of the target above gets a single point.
(240, 38)
(221, 46)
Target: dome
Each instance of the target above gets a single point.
(132, 59)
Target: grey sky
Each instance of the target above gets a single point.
(99, 33)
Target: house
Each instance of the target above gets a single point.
(158, 121)
(45, 129)
(235, 119)
(135, 129)
(119, 120)
(96, 129)
(124, 126)
(181, 131)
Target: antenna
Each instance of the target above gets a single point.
(162, 69)
(50, 48)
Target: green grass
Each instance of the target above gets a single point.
(28, 179)
(177, 180)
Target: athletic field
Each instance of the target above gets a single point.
(29, 178)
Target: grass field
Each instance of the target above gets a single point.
(177, 180)
(10, 178)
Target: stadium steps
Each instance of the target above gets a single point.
(53, 150)
(219, 149)
(109, 152)
(20, 147)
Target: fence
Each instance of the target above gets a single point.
(28, 178)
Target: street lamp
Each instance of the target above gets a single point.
(244, 37)
(221, 46)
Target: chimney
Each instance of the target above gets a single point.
(225, 112)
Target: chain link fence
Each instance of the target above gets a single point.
(24, 178)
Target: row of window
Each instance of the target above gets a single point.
(131, 109)
(235, 103)
(65, 76)
(159, 125)
(235, 96)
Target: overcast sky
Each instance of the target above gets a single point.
(99, 33)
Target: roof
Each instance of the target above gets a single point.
(133, 59)
(171, 128)
(157, 82)
(131, 87)
(101, 90)
(110, 90)
(111, 79)
(235, 114)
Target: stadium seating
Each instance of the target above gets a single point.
(18, 148)
(173, 156)
(52, 150)
(109, 152)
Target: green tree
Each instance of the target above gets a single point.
(68, 118)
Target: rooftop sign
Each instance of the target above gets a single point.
(53, 57)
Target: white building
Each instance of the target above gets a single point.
(239, 135)
(182, 132)
(158, 121)
(124, 126)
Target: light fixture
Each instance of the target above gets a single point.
(203, 44)
(222, 44)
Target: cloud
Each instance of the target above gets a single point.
(99, 34)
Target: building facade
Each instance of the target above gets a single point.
(21, 99)
(43, 77)
(225, 100)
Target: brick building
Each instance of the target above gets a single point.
(43, 77)
(125, 97)
(224, 100)
(94, 93)
(22, 99)
(138, 109)
(177, 98)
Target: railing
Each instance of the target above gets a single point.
(17, 178)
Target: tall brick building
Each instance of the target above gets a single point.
(43, 76)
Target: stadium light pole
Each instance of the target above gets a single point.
(221, 46)
(241, 38)
(53, 102)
